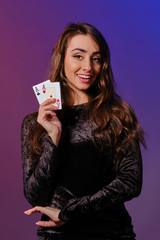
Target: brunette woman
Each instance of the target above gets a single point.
(81, 163)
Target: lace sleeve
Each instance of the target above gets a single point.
(36, 178)
(124, 187)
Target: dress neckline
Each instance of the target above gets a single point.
(78, 106)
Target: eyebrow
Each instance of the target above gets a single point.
(82, 50)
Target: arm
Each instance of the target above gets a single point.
(37, 178)
(124, 187)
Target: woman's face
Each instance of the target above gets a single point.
(82, 63)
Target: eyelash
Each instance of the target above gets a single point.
(77, 56)
(96, 59)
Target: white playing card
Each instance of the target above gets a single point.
(47, 90)
(40, 92)
(53, 91)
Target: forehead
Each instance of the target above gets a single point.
(82, 41)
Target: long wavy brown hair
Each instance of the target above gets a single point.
(115, 119)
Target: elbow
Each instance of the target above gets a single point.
(135, 191)
(138, 190)
(133, 185)
(34, 200)
(132, 189)
(137, 183)
(29, 198)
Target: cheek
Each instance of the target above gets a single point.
(70, 67)
(98, 70)
(66, 66)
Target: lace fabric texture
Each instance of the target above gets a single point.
(79, 179)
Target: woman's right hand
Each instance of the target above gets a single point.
(47, 118)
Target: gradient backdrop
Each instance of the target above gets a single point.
(28, 31)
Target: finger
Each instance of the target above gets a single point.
(43, 210)
(49, 223)
(33, 210)
(28, 212)
(46, 223)
(46, 116)
(50, 106)
(43, 109)
(48, 101)
(47, 113)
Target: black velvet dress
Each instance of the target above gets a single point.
(78, 178)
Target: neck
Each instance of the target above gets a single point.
(76, 99)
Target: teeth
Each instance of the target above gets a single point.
(84, 76)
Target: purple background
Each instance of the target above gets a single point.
(28, 32)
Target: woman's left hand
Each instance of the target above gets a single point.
(52, 213)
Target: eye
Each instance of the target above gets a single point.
(96, 59)
(78, 56)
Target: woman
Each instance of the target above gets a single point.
(81, 163)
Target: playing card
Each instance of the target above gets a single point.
(47, 90)
(40, 91)
(51, 92)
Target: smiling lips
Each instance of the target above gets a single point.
(84, 78)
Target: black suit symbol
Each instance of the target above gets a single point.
(37, 91)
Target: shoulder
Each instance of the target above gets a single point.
(29, 121)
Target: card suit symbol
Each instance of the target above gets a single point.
(37, 91)
(50, 96)
(43, 89)
(58, 103)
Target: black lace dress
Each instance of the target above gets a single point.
(78, 178)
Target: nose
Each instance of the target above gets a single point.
(87, 65)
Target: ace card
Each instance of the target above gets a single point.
(48, 90)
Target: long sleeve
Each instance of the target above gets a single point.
(124, 187)
(37, 178)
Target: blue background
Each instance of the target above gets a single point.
(28, 32)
